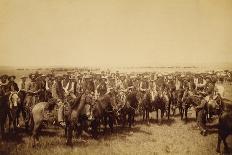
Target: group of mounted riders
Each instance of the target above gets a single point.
(79, 100)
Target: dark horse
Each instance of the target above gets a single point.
(3, 114)
(161, 102)
(13, 104)
(129, 108)
(104, 111)
(225, 125)
(146, 105)
(188, 100)
(8, 108)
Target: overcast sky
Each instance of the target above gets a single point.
(115, 32)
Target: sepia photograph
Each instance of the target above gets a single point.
(116, 77)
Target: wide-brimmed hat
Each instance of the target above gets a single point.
(87, 77)
(11, 76)
(4, 76)
(104, 77)
(73, 77)
(23, 77)
(208, 77)
(32, 75)
(131, 87)
(59, 77)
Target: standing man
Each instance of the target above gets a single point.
(58, 93)
(201, 115)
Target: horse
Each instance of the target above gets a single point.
(21, 106)
(188, 100)
(225, 129)
(129, 108)
(224, 126)
(173, 101)
(13, 104)
(38, 116)
(161, 102)
(75, 112)
(104, 110)
(4, 113)
(146, 105)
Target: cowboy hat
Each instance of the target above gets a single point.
(23, 77)
(4, 76)
(12, 76)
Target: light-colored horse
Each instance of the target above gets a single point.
(13, 104)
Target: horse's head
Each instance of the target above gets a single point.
(14, 100)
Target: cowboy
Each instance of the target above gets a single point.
(77, 87)
(32, 92)
(102, 88)
(12, 84)
(160, 83)
(66, 83)
(129, 82)
(144, 85)
(209, 87)
(112, 82)
(58, 93)
(4, 89)
(23, 90)
(49, 82)
(88, 86)
(41, 84)
(23, 84)
(72, 86)
(171, 84)
(120, 83)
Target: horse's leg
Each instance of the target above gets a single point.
(105, 122)
(35, 135)
(162, 114)
(181, 111)
(219, 144)
(148, 117)
(2, 124)
(111, 122)
(14, 118)
(169, 107)
(129, 118)
(133, 118)
(18, 115)
(226, 148)
(186, 114)
(10, 120)
(94, 125)
(123, 119)
(144, 114)
(69, 133)
(157, 114)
